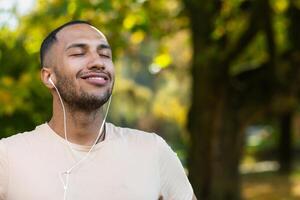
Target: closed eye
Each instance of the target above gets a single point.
(105, 55)
(77, 54)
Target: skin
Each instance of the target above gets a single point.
(80, 49)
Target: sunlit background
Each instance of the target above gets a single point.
(10, 8)
(153, 48)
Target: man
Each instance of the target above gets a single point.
(76, 155)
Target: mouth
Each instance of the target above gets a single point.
(98, 79)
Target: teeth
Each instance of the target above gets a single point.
(98, 78)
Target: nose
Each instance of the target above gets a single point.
(95, 62)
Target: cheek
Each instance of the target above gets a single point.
(74, 63)
(112, 72)
(72, 66)
(110, 67)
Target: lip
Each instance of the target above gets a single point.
(96, 78)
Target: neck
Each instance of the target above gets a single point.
(82, 127)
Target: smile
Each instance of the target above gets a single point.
(98, 79)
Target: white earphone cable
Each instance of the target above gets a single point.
(68, 172)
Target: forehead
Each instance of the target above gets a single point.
(79, 33)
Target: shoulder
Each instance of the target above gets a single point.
(21, 139)
(3, 170)
(11, 148)
(138, 139)
(133, 135)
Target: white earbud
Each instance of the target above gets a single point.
(50, 80)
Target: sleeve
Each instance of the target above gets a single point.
(174, 182)
(3, 171)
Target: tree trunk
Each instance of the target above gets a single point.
(216, 144)
(285, 143)
(215, 120)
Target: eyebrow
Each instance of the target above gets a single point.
(76, 45)
(82, 45)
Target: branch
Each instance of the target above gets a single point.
(256, 23)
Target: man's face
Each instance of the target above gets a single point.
(83, 67)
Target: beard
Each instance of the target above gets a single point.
(82, 100)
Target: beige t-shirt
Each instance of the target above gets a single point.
(128, 165)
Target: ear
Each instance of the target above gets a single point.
(46, 73)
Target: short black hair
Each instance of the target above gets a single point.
(51, 38)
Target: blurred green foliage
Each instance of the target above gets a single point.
(152, 83)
